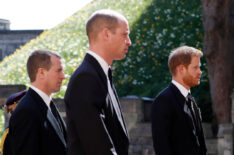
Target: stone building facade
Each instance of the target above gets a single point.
(10, 40)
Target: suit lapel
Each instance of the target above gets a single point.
(55, 125)
(98, 68)
(103, 78)
(49, 116)
(187, 113)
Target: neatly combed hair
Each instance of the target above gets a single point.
(182, 56)
(39, 59)
(102, 19)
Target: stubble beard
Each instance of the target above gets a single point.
(191, 81)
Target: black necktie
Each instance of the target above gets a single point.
(114, 98)
(110, 77)
(191, 104)
(56, 115)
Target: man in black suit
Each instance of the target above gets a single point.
(36, 127)
(94, 119)
(176, 118)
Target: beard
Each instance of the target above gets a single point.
(191, 81)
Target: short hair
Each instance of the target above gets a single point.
(102, 19)
(39, 59)
(182, 56)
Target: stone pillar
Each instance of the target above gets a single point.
(232, 97)
(5, 92)
(136, 114)
(225, 139)
(132, 110)
(225, 134)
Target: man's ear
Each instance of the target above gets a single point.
(106, 34)
(181, 69)
(40, 73)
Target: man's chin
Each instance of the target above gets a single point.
(196, 84)
(120, 58)
(56, 90)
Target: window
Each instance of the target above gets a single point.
(2, 26)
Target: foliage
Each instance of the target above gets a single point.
(157, 26)
(164, 26)
(1, 123)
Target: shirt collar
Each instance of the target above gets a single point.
(45, 97)
(181, 88)
(101, 61)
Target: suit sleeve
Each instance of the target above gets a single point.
(161, 116)
(85, 107)
(24, 129)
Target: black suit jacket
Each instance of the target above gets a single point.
(33, 129)
(172, 126)
(93, 126)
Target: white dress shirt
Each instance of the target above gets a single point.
(101, 61)
(45, 97)
(181, 88)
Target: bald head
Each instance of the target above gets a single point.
(103, 19)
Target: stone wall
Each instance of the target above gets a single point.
(10, 40)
